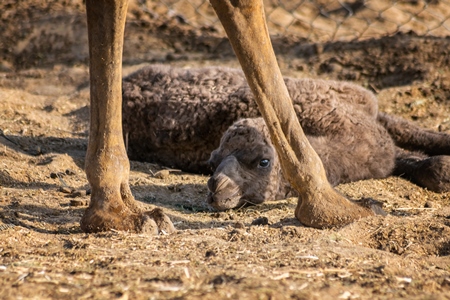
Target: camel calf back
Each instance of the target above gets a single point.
(176, 117)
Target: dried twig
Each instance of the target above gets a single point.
(417, 208)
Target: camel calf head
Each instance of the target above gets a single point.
(246, 167)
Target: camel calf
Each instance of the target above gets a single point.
(176, 117)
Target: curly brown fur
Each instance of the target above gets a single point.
(176, 117)
(432, 172)
(411, 137)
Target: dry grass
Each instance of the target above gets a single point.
(44, 254)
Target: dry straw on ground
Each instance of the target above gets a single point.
(257, 252)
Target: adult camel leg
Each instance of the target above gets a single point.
(112, 205)
(319, 204)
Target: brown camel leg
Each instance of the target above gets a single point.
(431, 172)
(112, 205)
(319, 204)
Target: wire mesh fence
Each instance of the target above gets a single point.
(327, 20)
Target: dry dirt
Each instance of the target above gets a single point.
(259, 252)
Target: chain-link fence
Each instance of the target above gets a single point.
(327, 20)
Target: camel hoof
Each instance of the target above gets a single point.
(433, 173)
(148, 226)
(328, 208)
(161, 220)
(154, 222)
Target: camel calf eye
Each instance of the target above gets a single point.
(264, 163)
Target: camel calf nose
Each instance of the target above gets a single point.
(218, 187)
(224, 185)
(224, 193)
(212, 184)
(227, 169)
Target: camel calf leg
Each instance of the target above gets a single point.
(319, 204)
(112, 205)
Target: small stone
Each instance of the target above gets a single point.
(76, 202)
(261, 221)
(70, 172)
(163, 174)
(78, 193)
(65, 190)
(210, 253)
(239, 225)
(157, 263)
(37, 151)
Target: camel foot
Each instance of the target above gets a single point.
(161, 220)
(325, 209)
(433, 173)
(152, 222)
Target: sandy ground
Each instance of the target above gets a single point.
(259, 252)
